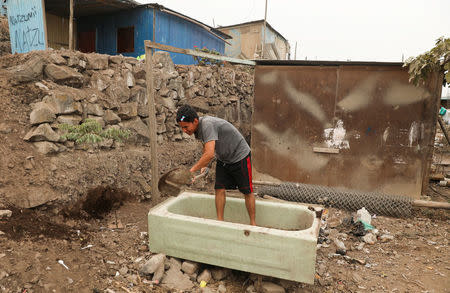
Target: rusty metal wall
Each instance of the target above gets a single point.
(358, 126)
(58, 31)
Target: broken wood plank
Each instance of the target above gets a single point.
(150, 44)
(325, 150)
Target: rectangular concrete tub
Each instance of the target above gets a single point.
(282, 246)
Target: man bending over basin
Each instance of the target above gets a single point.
(233, 168)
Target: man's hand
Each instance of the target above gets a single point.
(203, 172)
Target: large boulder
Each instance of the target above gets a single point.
(95, 109)
(45, 147)
(100, 81)
(42, 133)
(57, 59)
(64, 75)
(118, 91)
(164, 58)
(63, 103)
(200, 104)
(117, 59)
(97, 61)
(139, 129)
(29, 71)
(33, 197)
(42, 113)
(111, 118)
(69, 119)
(128, 110)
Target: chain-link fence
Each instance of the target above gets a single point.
(375, 203)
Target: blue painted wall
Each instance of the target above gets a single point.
(26, 25)
(170, 30)
(2, 9)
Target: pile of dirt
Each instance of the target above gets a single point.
(29, 223)
(5, 44)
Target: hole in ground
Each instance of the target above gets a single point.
(101, 200)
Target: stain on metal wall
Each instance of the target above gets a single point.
(354, 125)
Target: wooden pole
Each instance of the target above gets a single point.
(71, 26)
(44, 16)
(431, 204)
(153, 45)
(264, 33)
(441, 124)
(295, 53)
(152, 121)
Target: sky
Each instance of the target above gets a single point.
(356, 30)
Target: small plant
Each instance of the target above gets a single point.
(437, 59)
(204, 61)
(90, 131)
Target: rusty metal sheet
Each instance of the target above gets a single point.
(362, 127)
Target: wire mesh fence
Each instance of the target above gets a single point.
(375, 203)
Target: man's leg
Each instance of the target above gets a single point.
(220, 203)
(250, 205)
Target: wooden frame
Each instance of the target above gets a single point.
(149, 46)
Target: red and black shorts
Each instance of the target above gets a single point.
(236, 175)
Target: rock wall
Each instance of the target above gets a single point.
(68, 87)
(112, 90)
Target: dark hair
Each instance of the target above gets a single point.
(186, 114)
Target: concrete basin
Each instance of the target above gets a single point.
(282, 246)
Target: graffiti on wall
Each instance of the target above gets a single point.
(26, 25)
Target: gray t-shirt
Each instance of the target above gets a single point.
(231, 146)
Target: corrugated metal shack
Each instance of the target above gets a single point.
(357, 125)
(124, 32)
(120, 27)
(247, 41)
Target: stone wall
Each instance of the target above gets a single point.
(112, 90)
(46, 88)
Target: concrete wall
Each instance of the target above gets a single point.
(246, 42)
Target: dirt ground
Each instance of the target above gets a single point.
(96, 248)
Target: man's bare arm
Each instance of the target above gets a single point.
(207, 156)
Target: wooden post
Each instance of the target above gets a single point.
(264, 33)
(71, 26)
(44, 16)
(152, 121)
(295, 53)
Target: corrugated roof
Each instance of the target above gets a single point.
(205, 26)
(97, 7)
(88, 7)
(250, 23)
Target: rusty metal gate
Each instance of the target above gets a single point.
(358, 125)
